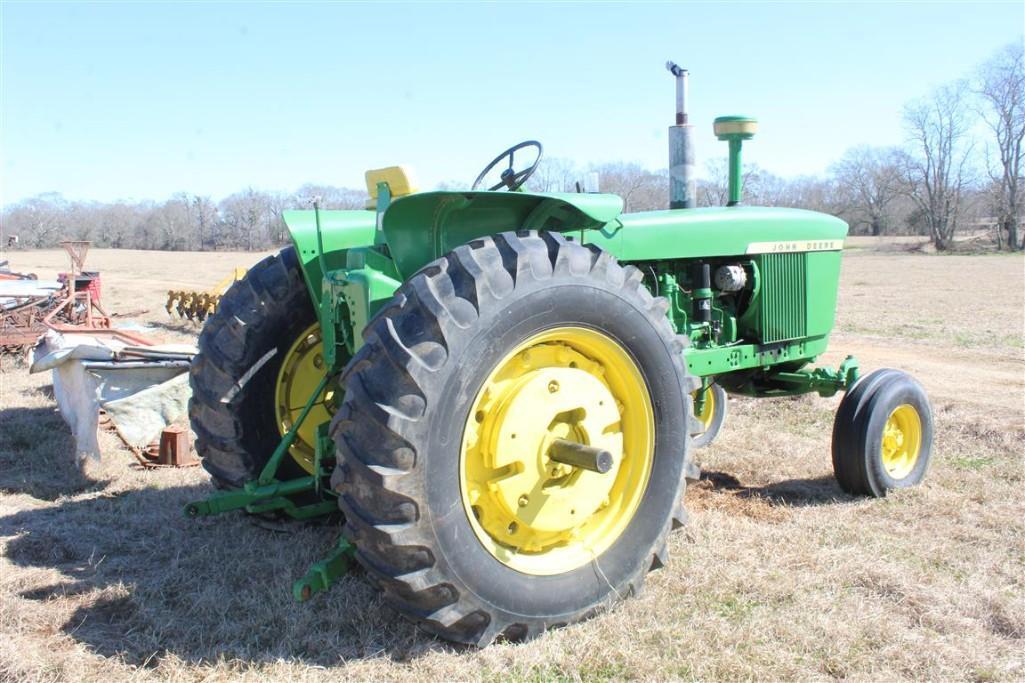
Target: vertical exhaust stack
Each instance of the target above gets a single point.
(681, 147)
(734, 130)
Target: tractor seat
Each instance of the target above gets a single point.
(399, 179)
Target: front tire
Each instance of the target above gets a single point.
(712, 417)
(882, 434)
(484, 346)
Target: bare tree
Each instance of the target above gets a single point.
(641, 190)
(174, 221)
(331, 197)
(203, 214)
(868, 183)
(1001, 91)
(758, 186)
(714, 188)
(38, 221)
(937, 165)
(554, 175)
(118, 225)
(244, 220)
(810, 192)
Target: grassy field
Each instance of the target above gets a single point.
(779, 575)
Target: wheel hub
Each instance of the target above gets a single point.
(530, 415)
(532, 512)
(901, 441)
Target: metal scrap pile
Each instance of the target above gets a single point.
(25, 302)
(103, 378)
(29, 306)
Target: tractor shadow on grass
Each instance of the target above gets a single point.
(176, 324)
(142, 583)
(37, 454)
(790, 493)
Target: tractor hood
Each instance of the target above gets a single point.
(718, 231)
(422, 227)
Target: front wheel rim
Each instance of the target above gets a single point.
(533, 514)
(707, 414)
(901, 441)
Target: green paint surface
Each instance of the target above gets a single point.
(786, 319)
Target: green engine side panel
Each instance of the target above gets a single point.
(823, 282)
(719, 231)
(421, 227)
(340, 230)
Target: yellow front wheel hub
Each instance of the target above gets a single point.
(534, 514)
(901, 441)
(301, 371)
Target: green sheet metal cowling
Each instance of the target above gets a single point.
(718, 231)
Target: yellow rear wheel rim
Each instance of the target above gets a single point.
(901, 441)
(531, 513)
(300, 373)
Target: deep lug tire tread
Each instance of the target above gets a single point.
(254, 316)
(389, 384)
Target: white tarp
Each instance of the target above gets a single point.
(142, 389)
(13, 292)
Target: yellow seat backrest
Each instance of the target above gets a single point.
(399, 178)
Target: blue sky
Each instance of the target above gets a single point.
(138, 101)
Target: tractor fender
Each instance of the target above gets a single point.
(340, 231)
(422, 227)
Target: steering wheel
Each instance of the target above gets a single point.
(511, 179)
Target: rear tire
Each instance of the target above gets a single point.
(882, 434)
(416, 385)
(241, 349)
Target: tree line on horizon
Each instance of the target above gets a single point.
(959, 169)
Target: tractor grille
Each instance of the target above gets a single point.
(784, 297)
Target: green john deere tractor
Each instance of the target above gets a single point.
(502, 390)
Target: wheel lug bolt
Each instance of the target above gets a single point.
(553, 387)
(524, 499)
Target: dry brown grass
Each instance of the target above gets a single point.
(778, 576)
